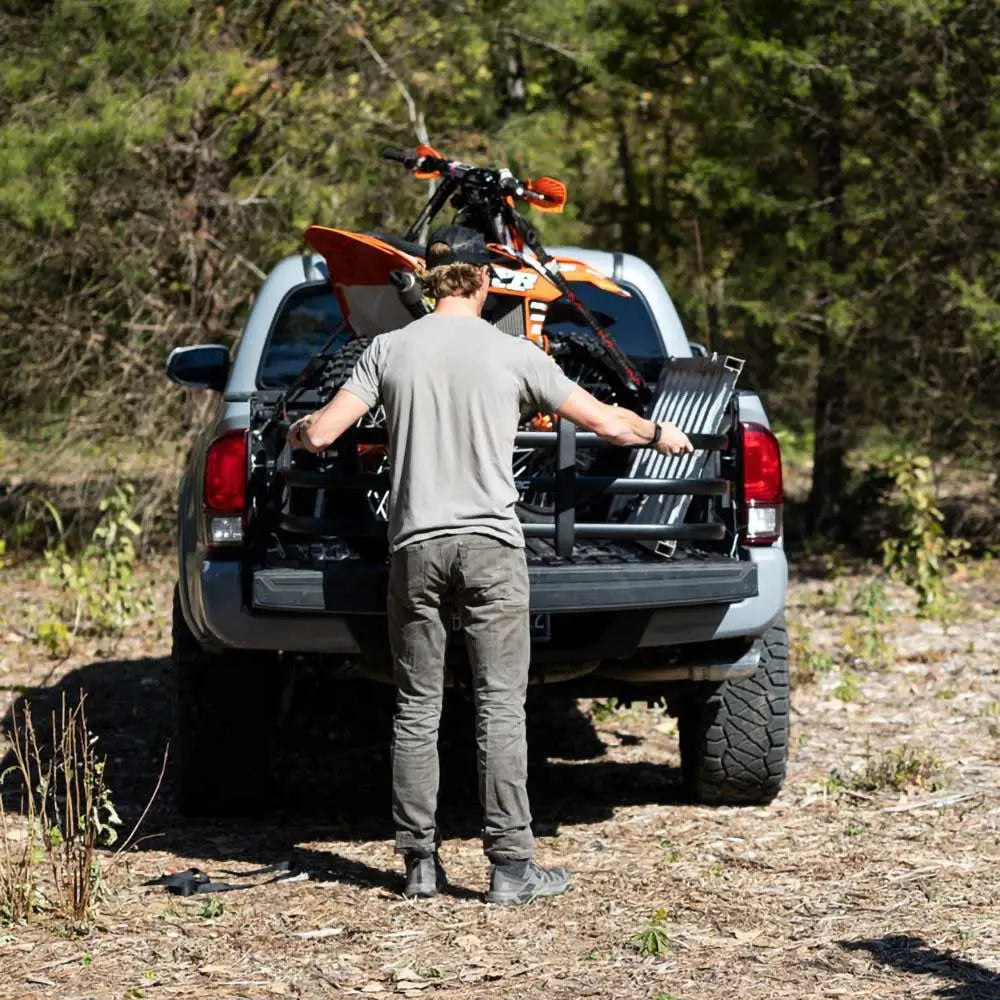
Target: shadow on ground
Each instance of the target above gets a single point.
(332, 758)
(914, 955)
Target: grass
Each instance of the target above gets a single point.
(849, 688)
(898, 769)
(601, 711)
(887, 770)
(670, 852)
(652, 939)
(808, 662)
(66, 804)
(211, 909)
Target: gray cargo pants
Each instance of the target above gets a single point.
(487, 582)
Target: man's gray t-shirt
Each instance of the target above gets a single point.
(453, 388)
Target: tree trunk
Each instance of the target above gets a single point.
(831, 413)
(630, 217)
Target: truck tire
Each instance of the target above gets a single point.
(225, 716)
(734, 735)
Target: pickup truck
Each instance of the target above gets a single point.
(280, 559)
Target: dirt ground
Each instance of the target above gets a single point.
(875, 874)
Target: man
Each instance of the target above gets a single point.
(453, 388)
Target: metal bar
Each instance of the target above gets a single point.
(547, 439)
(329, 528)
(652, 532)
(344, 481)
(605, 484)
(565, 488)
(611, 485)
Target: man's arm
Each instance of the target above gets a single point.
(622, 426)
(319, 430)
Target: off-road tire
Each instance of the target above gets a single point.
(336, 371)
(225, 708)
(734, 735)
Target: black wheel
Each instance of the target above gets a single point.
(225, 714)
(734, 735)
(581, 359)
(337, 369)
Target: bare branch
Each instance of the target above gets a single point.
(416, 116)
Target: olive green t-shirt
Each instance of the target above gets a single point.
(453, 389)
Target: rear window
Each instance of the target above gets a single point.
(310, 316)
(629, 321)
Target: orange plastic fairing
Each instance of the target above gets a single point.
(575, 270)
(552, 190)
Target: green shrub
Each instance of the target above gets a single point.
(68, 814)
(898, 769)
(652, 939)
(919, 556)
(98, 583)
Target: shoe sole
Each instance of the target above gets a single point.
(509, 898)
(425, 893)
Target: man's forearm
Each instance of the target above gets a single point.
(626, 428)
(621, 426)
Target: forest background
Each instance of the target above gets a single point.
(816, 182)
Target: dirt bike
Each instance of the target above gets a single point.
(373, 277)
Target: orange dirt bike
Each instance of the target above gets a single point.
(373, 277)
(373, 274)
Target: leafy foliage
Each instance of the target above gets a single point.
(98, 582)
(69, 813)
(653, 939)
(919, 556)
(817, 183)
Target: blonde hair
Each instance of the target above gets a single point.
(460, 279)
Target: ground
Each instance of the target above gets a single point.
(876, 872)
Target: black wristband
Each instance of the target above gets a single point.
(657, 431)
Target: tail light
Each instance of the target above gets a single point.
(763, 495)
(226, 487)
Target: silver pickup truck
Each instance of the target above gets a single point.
(277, 561)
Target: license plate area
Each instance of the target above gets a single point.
(541, 626)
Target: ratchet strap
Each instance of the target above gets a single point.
(194, 880)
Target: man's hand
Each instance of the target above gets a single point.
(673, 441)
(296, 433)
(317, 431)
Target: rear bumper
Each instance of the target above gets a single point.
(361, 589)
(749, 617)
(310, 612)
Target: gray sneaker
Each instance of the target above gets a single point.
(522, 883)
(425, 877)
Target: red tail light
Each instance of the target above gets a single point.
(763, 492)
(226, 474)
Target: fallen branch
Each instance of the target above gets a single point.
(936, 802)
(138, 822)
(320, 932)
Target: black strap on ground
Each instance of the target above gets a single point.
(194, 880)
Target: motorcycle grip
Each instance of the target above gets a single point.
(400, 156)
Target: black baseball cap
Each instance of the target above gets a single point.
(459, 244)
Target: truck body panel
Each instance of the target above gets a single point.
(228, 604)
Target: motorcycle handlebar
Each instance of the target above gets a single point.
(400, 156)
(506, 183)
